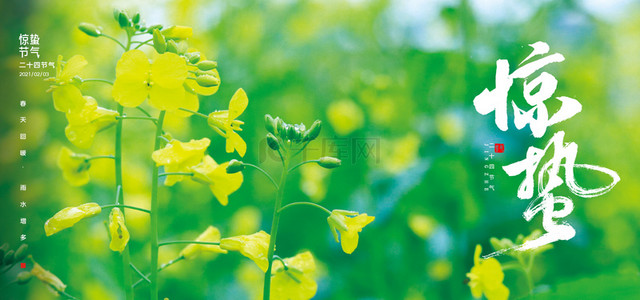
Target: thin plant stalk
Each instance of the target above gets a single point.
(154, 214)
(126, 257)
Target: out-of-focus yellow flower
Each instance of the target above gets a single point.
(401, 153)
(245, 220)
(177, 32)
(294, 281)
(85, 122)
(51, 281)
(162, 81)
(421, 225)
(312, 182)
(225, 124)
(254, 246)
(345, 116)
(68, 216)
(348, 224)
(180, 157)
(440, 269)
(66, 96)
(118, 230)
(450, 127)
(215, 176)
(486, 277)
(212, 234)
(75, 167)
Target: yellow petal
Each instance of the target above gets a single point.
(190, 102)
(238, 104)
(224, 184)
(211, 234)
(169, 70)
(296, 282)
(67, 98)
(50, 280)
(68, 216)
(235, 142)
(178, 32)
(169, 99)
(129, 93)
(254, 246)
(72, 68)
(133, 66)
(75, 169)
(118, 230)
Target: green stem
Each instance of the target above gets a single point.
(144, 111)
(126, 258)
(126, 206)
(302, 163)
(136, 118)
(97, 80)
(115, 40)
(154, 214)
(143, 43)
(187, 242)
(140, 273)
(194, 112)
(164, 266)
(266, 292)
(304, 203)
(101, 156)
(175, 173)
(263, 172)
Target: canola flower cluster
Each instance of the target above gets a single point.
(169, 78)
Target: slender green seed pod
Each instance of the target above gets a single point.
(9, 257)
(21, 253)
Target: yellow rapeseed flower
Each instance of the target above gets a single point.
(486, 277)
(66, 96)
(254, 246)
(295, 281)
(162, 81)
(75, 167)
(348, 224)
(216, 177)
(225, 124)
(86, 121)
(118, 230)
(212, 234)
(51, 281)
(177, 156)
(68, 216)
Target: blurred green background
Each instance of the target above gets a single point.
(396, 78)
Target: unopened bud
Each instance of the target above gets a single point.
(123, 20)
(178, 32)
(207, 80)
(207, 65)
(159, 43)
(9, 257)
(90, 29)
(272, 142)
(150, 29)
(314, 131)
(182, 47)
(329, 162)
(23, 277)
(193, 57)
(136, 18)
(21, 253)
(172, 47)
(291, 132)
(269, 123)
(235, 166)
